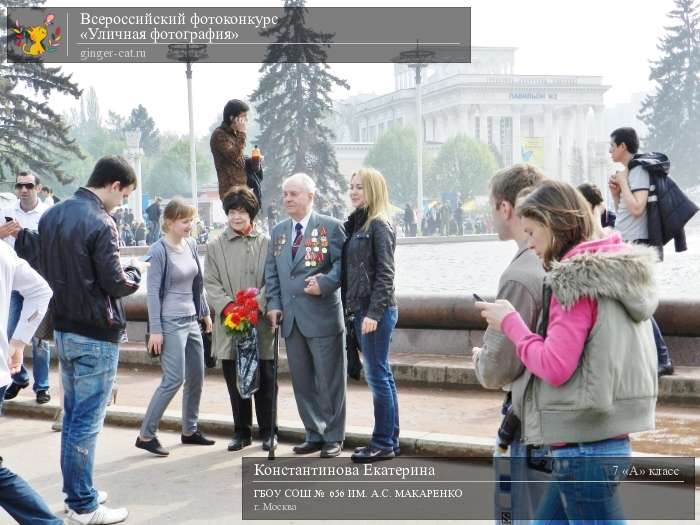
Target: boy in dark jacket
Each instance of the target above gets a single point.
(79, 258)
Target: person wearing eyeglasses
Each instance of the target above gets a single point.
(26, 213)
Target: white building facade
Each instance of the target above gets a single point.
(552, 120)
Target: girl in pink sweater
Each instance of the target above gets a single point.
(579, 401)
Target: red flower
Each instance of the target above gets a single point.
(227, 309)
(252, 305)
(240, 297)
(254, 317)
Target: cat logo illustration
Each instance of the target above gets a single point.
(35, 40)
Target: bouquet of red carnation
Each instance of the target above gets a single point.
(241, 315)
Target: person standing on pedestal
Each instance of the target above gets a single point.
(227, 144)
(302, 279)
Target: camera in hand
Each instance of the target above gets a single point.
(508, 429)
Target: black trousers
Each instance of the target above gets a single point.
(243, 408)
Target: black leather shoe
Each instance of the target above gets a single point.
(42, 397)
(331, 449)
(371, 454)
(13, 390)
(269, 442)
(664, 370)
(307, 447)
(238, 442)
(152, 445)
(196, 439)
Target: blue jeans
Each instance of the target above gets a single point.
(586, 503)
(662, 352)
(88, 367)
(375, 354)
(516, 501)
(19, 499)
(40, 350)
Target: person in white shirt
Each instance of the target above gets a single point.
(26, 212)
(16, 496)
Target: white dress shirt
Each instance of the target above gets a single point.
(17, 275)
(26, 219)
(304, 223)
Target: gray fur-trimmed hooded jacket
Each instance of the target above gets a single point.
(614, 388)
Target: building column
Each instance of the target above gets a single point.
(517, 150)
(581, 134)
(549, 163)
(600, 142)
(454, 120)
(567, 144)
(469, 128)
(586, 150)
(483, 127)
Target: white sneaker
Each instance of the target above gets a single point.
(57, 425)
(101, 516)
(101, 499)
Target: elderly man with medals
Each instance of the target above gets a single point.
(302, 281)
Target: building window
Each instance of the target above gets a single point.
(363, 134)
(381, 129)
(372, 133)
(489, 130)
(477, 128)
(531, 127)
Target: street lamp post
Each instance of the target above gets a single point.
(416, 59)
(189, 53)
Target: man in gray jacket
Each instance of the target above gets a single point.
(496, 364)
(302, 281)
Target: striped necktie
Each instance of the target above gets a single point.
(297, 239)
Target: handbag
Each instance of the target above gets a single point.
(247, 364)
(352, 349)
(209, 357)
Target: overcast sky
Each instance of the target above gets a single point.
(610, 38)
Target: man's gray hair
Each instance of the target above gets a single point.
(303, 180)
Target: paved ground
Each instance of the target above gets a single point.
(193, 486)
(458, 411)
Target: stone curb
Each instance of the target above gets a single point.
(428, 444)
(412, 442)
(684, 387)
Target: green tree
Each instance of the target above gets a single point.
(292, 100)
(394, 155)
(32, 135)
(672, 113)
(168, 174)
(141, 120)
(462, 165)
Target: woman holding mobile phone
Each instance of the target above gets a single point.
(592, 358)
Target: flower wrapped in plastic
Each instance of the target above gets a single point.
(239, 318)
